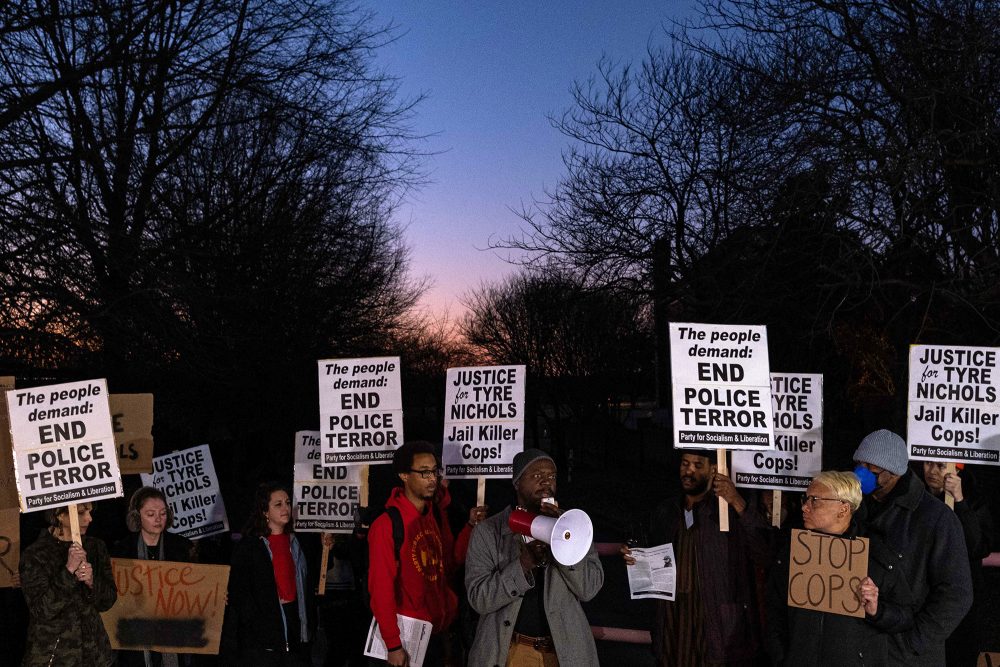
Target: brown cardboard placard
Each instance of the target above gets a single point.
(10, 544)
(8, 488)
(132, 420)
(157, 600)
(825, 571)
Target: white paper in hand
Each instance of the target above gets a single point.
(413, 632)
(654, 573)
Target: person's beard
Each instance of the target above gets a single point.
(698, 489)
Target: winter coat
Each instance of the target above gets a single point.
(65, 628)
(726, 575)
(930, 548)
(176, 547)
(805, 637)
(496, 583)
(414, 582)
(255, 621)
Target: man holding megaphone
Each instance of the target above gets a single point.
(527, 570)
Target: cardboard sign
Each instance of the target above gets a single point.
(721, 386)
(360, 410)
(825, 571)
(953, 410)
(797, 403)
(8, 487)
(10, 544)
(188, 480)
(167, 607)
(483, 420)
(132, 421)
(325, 497)
(64, 447)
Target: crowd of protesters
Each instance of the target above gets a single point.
(495, 598)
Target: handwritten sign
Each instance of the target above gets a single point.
(8, 488)
(360, 410)
(825, 572)
(167, 607)
(483, 421)
(721, 386)
(953, 410)
(64, 448)
(132, 421)
(10, 544)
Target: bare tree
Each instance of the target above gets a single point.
(106, 184)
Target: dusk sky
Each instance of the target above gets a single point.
(493, 72)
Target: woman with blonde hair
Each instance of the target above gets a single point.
(799, 636)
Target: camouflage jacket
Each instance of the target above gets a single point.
(65, 629)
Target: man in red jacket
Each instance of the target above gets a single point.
(414, 581)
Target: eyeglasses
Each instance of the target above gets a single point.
(428, 474)
(540, 476)
(811, 500)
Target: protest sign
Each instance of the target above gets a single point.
(797, 404)
(825, 572)
(483, 421)
(953, 410)
(132, 420)
(167, 607)
(188, 480)
(325, 497)
(8, 488)
(721, 386)
(64, 450)
(10, 544)
(360, 410)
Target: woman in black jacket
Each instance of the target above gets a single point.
(149, 516)
(806, 637)
(267, 619)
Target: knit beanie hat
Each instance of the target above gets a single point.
(884, 449)
(523, 459)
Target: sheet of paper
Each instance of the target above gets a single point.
(654, 574)
(414, 633)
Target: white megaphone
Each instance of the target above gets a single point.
(569, 535)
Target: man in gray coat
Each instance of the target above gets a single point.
(529, 603)
(929, 544)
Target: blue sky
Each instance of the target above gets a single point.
(493, 72)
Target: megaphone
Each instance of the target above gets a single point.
(569, 535)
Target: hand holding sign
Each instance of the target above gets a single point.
(75, 558)
(868, 593)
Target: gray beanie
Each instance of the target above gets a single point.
(884, 449)
(523, 459)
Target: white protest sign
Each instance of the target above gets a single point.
(188, 480)
(483, 421)
(953, 411)
(721, 386)
(325, 497)
(64, 445)
(360, 410)
(797, 402)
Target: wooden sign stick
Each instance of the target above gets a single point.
(776, 508)
(722, 465)
(74, 524)
(480, 492)
(324, 562)
(949, 499)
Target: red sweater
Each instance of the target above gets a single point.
(420, 587)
